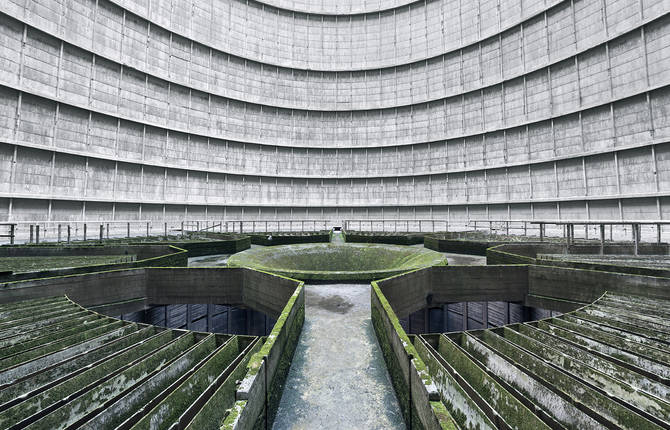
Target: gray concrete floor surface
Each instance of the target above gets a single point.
(465, 259)
(338, 378)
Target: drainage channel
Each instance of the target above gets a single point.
(338, 377)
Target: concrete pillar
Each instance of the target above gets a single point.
(188, 317)
(465, 315)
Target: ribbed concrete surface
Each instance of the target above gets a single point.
(602, 366)
(436, 109)
(62, 365)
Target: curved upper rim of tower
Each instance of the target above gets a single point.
(454, 75)
(336, 53)
(339, 7)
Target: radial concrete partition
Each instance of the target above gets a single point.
(73, 259)
(601, 364)
(64, 364)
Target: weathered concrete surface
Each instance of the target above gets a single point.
(338, 378)
(219, 260)
(465, 259)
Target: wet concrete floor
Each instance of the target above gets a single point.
(338, 378)
(465, 259)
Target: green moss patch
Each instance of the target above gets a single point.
(289, 238)
(343, 262)
(32, 264)
(384, 237)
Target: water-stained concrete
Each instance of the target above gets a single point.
(465, 259)
(338, 378)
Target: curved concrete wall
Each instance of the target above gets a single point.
(315, 109)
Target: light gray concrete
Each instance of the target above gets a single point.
(538, 110)
(338, 378)
(464, 259)
(219, 260)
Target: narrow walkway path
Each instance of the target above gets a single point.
(338, 378)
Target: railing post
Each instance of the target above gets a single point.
(32, 233)
(102, 232)
(69, 233)
(37, 233)
(165, 230)
(507, 227)
(602, 239)
(541, 232)
(60, 230)
(127, 229)
(107, 230)
(182, 228)
(148, 223)
(658, 233)
(636, 236)
(12, 233)
(84, 231)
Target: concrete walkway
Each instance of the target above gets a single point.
(338, 378)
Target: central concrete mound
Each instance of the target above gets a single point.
(340, 262)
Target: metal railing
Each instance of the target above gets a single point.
(70, 231)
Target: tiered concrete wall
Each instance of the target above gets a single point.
(386, 108)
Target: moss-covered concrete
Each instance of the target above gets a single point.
(345, 262)
(289, 238)
(32, 264)
(48, 261)
(272, 361)
(397, 349)
(383, 237)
